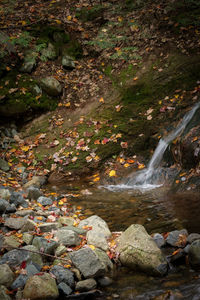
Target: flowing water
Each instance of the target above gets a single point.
(143, 199)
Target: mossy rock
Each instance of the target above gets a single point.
(89, 14)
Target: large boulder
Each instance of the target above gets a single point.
(51, 86)
(194, 254)
(68, 237)
(41, 286)
(139, 251)
(96, 223)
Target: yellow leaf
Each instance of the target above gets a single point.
(177, 181)
(25, 148)
(60, 202)
(69, 18)
(23, 23)
(58, 21)
(135, 78)
(67, 104)
(141, 166)
(96, 179)
(101, 100)
(120, 19)
(92, 247)
(112, 173)
(126, 165)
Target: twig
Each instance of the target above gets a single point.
(45, 254)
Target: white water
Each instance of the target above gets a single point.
(149, 178)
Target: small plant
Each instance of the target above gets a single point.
(23, 40)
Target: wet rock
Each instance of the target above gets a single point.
(49, 52)
(51, 86)
(18, 200)
(97, 224)
(64, 289)
(178, 256)
(63, 275)
(45, 201)
(44, 245)
(68, 62)
(194, 254)
(3, 293)
(159, 240)
(15, 223)
(5, 194)
(88, 263)
(47, 227)
(139, 251)
(104, 281)
(10, 242)
(33, 193)
(67, 221)
(41, 287)
(86, 285)
(60, 250)
(193, 237)
(177, 238)
(19, 282)
(6, 275)
(3, 205)
(36, 181)
(97, 239)
(68, 237)
(186, 249)
(4, 166)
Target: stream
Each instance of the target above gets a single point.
(159, 211)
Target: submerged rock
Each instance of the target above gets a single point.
(139, 251)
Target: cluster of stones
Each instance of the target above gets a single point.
(42, 259)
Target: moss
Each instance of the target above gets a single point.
(74, 49)
(89, 14)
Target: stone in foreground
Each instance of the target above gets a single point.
(138, 251)
(6, 275)
(88, 263)
(41, 287)
(194, 254)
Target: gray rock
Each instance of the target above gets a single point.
(47, 227)
(4, 166)
(34, 257)
(64, 289)
(33, 193)
(25, 212)
(15, 257)
(5, 194)
(68, 237)
(75, 229)
(3, 205)
(29, 62)
(36, 181)
(103, 257)
(44, 245)
(193, 237)
(39, 219)
(15, 223)
(104, 281)
(88, 263)
(177, 238)
(97, 239)
(194, 254)
(60, 250)
(6, 275)
(28, 226)
(19, 282)
(41, 287)
(51, 86)
(10, 242)
(45, 201)
(139, 251)
(159, 239)
(27, 238)
(31, 270)
(86, 285)
(68, 62)
(11, 208)
(63, 275)
(97, 224)
(49, 52)
(68, 221)
(3, 294)
(17, 199)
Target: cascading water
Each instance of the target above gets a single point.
(148, 178)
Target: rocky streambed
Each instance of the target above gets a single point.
(50, 250)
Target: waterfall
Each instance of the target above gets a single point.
(148, 178)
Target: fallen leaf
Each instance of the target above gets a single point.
(112, 173)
